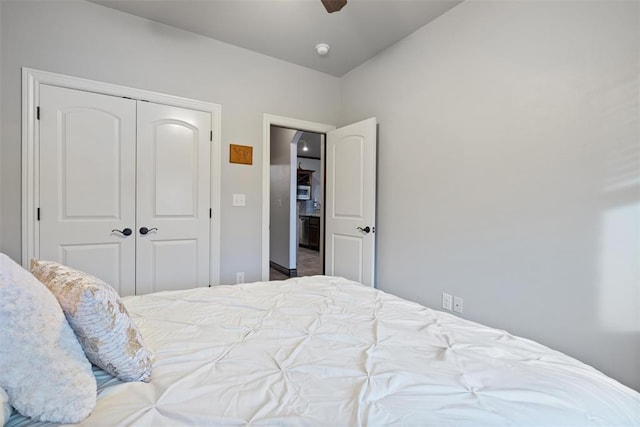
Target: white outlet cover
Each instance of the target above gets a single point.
(239, 200)
(446, 301)
(458, 304)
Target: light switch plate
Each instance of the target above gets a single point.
(239, 200)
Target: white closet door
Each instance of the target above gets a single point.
(87, 183)
(173, 199)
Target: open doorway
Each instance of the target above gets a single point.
(348, 249)
(296, 231)
(269, 122)
(310, 204)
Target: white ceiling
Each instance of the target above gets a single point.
(290, 29)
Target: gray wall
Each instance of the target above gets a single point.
(509, 170)
(282, 220)
(95, 42)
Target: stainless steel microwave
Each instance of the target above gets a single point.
(304, 192)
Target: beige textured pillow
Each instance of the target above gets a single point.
(109, 337)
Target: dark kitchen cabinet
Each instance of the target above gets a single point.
(314, 233)
(305, 176)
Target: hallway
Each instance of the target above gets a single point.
(309, 263)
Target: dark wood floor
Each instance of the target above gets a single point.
(309, 264)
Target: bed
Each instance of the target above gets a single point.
(320, 351)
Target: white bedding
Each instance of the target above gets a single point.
(327, 351)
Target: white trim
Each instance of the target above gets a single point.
(216, 183)
(31, 81)
(287, 122)
(293, 199)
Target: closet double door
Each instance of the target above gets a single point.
(124, 190)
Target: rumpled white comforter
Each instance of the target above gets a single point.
(322, 351)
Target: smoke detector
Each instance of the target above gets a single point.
(322, 49)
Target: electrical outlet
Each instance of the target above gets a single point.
(446, 301)
(458, 304)
(240, 277)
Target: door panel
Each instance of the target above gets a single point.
(176, 169)
(348, 247)
(83, 257)
(173, 197)
(351, 201)
(166, 255)
(87, 183)
(348, 178)
(89, 155)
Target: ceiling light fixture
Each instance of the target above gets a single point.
(322, 49)
(304, 145)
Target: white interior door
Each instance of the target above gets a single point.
(350, 202)
(87, 183)
(173, 199)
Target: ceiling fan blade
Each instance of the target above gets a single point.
(333, 5)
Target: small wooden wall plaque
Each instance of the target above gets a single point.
(242, 154)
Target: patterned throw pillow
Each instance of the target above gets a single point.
(109, 337)
(42, 367)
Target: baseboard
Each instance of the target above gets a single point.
(284, 270)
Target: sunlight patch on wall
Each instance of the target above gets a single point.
(620, 269)
(619, 260)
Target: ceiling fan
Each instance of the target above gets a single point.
(333, 5)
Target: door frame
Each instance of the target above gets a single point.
(287, 122)
(31, 81)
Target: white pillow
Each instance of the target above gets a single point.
(110, 338)
(5, 410)
(42, 366)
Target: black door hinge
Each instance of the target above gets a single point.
(38, 214)
(209, 212)
(37, 113)
(210, 135)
